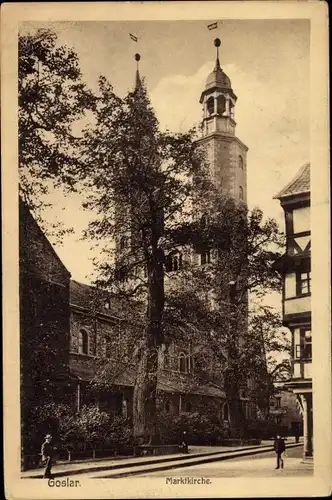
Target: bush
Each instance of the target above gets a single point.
(202, 429)
(79, 434)
(262, 429)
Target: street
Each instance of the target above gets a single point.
(262, 465)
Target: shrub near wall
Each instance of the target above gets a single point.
(201, 429)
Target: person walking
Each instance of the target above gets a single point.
(297, 435)
(184, 442)
(47, 455)
(279, 447)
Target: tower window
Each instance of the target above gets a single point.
(83, 342)
(205, 258)
(184, 363)
(123, 242)
(121, 274)
(241, 195)
(240, 162)
(221, 105)
(210, 106)
(174, 262)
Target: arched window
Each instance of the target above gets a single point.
(188, 407)
(122, 274)
(205, 257)
(183, 365)
(241, 195)
(241, 162)
(124, 408)
(231, 109)
(83, 342)
(221, 105)
(123, 242)
(225, 412)
(174, 262)
(210, 105)
(166, 359)
(204, 220)
(168, 406)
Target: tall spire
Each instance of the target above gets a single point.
(138, 82)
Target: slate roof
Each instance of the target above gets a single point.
(298, 185)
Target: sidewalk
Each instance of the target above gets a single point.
(126, 464)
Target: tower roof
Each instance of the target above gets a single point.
(218, 79)
(298, 185)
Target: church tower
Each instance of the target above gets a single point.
(227, 155)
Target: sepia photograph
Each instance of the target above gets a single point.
(165, 283)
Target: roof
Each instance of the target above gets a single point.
(167, 381)
(218, 78)
(298, 185)
(88, 297)
(34, 244)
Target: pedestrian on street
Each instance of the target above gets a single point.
(279, 447)
(47, 455)
(184, 443)
(297, 435)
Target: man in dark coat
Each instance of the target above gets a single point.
(279, 447)
(184, 442)
(47, 455)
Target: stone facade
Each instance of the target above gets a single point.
(44, 321)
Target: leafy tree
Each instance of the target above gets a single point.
(52, 101)
(213, 312)
(140, 184)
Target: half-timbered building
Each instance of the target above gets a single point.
(295, 266)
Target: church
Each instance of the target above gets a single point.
(89, 342)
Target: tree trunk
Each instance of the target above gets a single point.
(237, 419)
(145, 390)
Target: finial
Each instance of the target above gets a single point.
(217, 44)
(138, 78)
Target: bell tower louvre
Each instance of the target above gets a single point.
(226, 154)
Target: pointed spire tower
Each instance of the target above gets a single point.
(226, 153)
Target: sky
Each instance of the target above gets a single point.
(267, 62)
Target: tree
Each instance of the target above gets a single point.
(52, 100)
(140, 185)
(239, 337)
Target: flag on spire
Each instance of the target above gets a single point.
(133, 37)
(213, 26)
